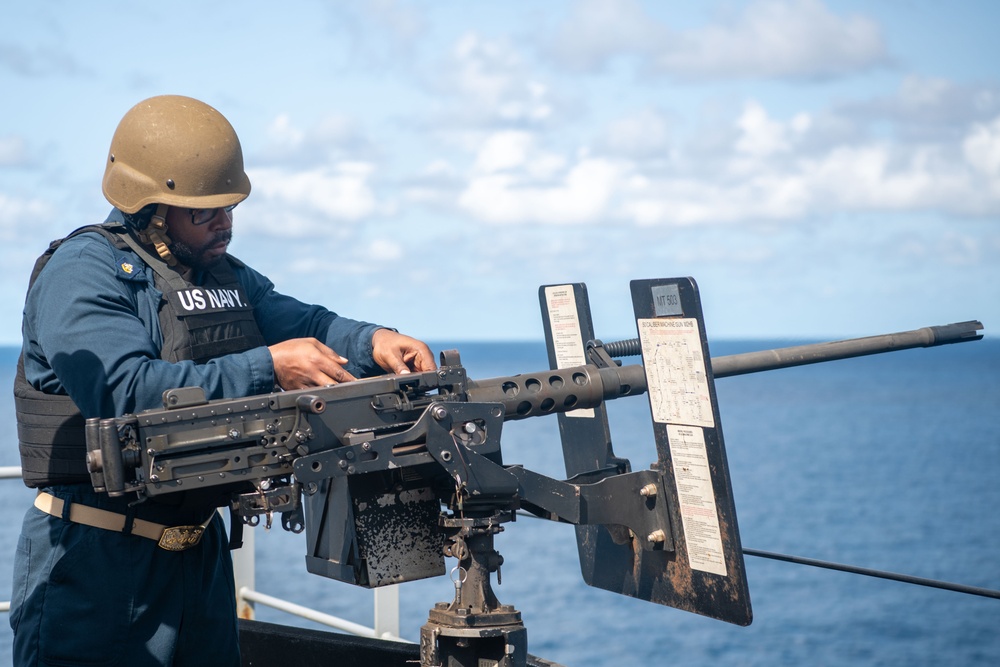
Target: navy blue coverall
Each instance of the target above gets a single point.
(89, 596)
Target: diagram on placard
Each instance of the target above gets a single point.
(675, 371)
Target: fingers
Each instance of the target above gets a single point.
(401, 354)
(421, 359)
(305, 362)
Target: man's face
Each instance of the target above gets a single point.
(199, 236)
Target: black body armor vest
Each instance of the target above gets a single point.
(199, 322)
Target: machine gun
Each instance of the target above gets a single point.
(389, 475)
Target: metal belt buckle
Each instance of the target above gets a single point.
(179, 538)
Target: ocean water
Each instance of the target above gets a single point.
(888, 462)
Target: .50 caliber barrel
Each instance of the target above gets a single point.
(785, 357)
(561, 390)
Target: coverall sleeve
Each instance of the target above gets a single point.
(281, 317)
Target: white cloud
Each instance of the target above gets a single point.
(494, 83)
(511, 150)
(515, 183)
(645, 133)
(12, 151)
(981, 148)
(402, 21)
(332, 138)
(598, 30)
(770, 172)
(20, 218)
(920, 92)
(383, 250)
(761, 136)
(926, 109)
(864, 177)
(689, 202)
(282, 132)
(439, 168)
(338, 192)
(39, 60)
(765, 169)
(484, 66)
(504, 150)
(776, 39)
(959, 249)
(798, 39)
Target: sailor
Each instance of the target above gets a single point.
(115, 314)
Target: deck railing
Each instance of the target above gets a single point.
(8, 472)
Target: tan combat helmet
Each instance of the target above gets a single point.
(173, 151)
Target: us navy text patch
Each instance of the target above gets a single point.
(198, 300)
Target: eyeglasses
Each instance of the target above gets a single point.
(199, 216)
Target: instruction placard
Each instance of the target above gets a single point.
(699, 515)
(567, 340)
(675, 371)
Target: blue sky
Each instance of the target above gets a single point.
(822, 169)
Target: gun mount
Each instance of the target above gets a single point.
(387, 476)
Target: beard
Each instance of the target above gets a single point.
(198, 257)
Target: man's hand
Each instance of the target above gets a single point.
(397, 353)
(300, 363)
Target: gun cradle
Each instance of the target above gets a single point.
(389, 475)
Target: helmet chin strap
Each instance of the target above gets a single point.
(155, 234)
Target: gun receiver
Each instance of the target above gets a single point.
(193, 443)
